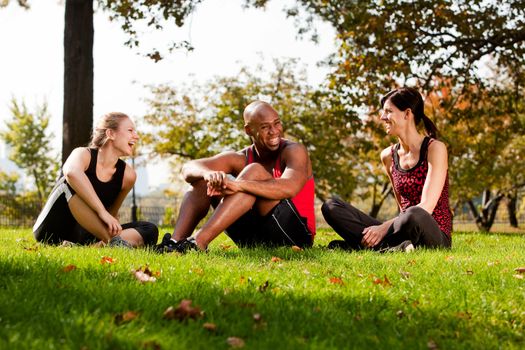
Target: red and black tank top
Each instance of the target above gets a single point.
(304, 200)
(108, 191)
(409, 183)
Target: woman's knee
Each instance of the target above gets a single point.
(330, 206)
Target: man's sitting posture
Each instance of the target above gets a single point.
(262, 195)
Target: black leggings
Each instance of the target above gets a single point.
(414, 224)
(58, 224)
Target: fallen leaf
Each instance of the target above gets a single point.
(197, 270)
(242, 280)
(247, 305)
(225, 246)
(432, 345)
(151, 344)
(449, 258)
(336, 280)
(125, 317)
(411, 262)
(107, 260)
(69, 268)
(405, 274)
(520, 269)
(518, 276)
(383, 282)
(183, 312)
(33, 248)
(464, 315)
(143, 277)
(212, 327)
(235, 342)
(296, 248)
(469, 272)
(276, 259)
(263, 287)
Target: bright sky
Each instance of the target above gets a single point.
(224, 36)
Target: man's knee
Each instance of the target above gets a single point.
(254, 171)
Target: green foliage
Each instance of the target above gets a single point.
(150, 14)
(312, 299)
(21, 3)
(30, 144)
(201, 120)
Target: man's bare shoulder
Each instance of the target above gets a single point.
(294, 147)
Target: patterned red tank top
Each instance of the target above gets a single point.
(304, 200)
(409, 185)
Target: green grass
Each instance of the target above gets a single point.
(467, 297)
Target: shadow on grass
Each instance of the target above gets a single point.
(41, 305)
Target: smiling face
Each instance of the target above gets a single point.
(125, 137)
(264, 126)
(394, 119)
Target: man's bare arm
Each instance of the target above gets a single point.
(211, 168)
(288, 185)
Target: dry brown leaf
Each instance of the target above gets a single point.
(151, 344)
(107, 260)
(143, 277)
(69, 268)
(464, 315)
(336, 280)
(276, 259)
(384, 282)
(431, 345)
(520, 269)
(469, 272)
(183, 312)
(263, 287)
(212, 327)
(225, 246)
(33, 248)
(125, 317)
(405, 274)
(297, 248)
(235, 342)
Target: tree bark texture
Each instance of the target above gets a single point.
(78, 75)
(512, 201)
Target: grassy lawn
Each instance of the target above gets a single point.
(85, 298)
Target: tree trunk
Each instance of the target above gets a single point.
(78, 75)
(489, 207)
(512, 201)
(376, 205)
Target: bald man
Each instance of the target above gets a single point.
(262, 195)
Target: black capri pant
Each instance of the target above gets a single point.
(414, 224)
(56, 224)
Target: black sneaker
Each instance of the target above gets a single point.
(118, 242)
(167, 245)
(405, 246)
(185, 245)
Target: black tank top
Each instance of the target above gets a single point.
(107, 192)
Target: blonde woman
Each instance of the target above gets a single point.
(83, 206)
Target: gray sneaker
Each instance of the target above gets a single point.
(118, 242)
(405, 246)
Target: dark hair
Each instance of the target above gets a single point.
(406, 97)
